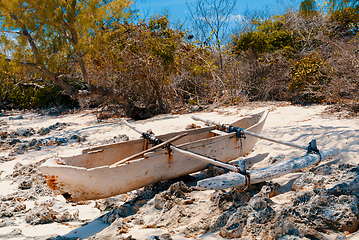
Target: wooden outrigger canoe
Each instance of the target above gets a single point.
(99, 172)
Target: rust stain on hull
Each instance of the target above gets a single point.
(170, 157)
(51, 182)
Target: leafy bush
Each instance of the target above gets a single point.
(32, 96)
(310, 77)
(268, 36)
(347, 18)
(146, 63)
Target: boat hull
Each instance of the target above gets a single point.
(89, 175)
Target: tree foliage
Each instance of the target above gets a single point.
(146, 62)
(83, 48)
(310, 78)
(139, 59)
(52, 38)
(267, 36)
(309, 66)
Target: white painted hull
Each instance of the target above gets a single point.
(88, 175)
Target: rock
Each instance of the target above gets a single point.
(11, 207)
(50, 211)
(25, 184)
(308, 180)
(16, 118)
(32, 142)
(336, 213)
(6, 159)
(122, 137)
(347, 185)
(60, 141)
(56, 126)
(108, 204)
(176, 190)
(276, 159)
(14, 234)
(114, 231)
(159, 201)
(165, 236)
(3, 135)
(116, 139)
(14, 141)
(43, 131)
(261, 211)
(23, 132)
(194, 108)
(122, 211)
(19, 150)
(192, 126)
(235, 225)
(258, 212)
(286, 229)
(325, 201)
(128, 238)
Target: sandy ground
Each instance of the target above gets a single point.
(69, 134)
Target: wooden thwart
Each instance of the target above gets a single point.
(192, 154)
(233, 179)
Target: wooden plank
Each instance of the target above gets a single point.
(217, 132)
(260, 175)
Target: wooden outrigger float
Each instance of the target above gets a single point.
(238, 179)
(113, 169)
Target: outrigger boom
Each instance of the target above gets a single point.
(243, 178)
(312, 145)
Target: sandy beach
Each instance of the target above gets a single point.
(318, 203)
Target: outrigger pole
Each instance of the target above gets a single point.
(184, 152)
(225, 127)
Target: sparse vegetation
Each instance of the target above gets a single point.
(148, 67)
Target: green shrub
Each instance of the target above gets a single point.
(347, 18)
(268, 36)
(31, 96)
(310, 76)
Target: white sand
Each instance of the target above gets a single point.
(291, 123)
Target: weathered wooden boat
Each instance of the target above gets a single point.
(113, 169)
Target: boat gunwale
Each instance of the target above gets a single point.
(156, 152)
(165, 136)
